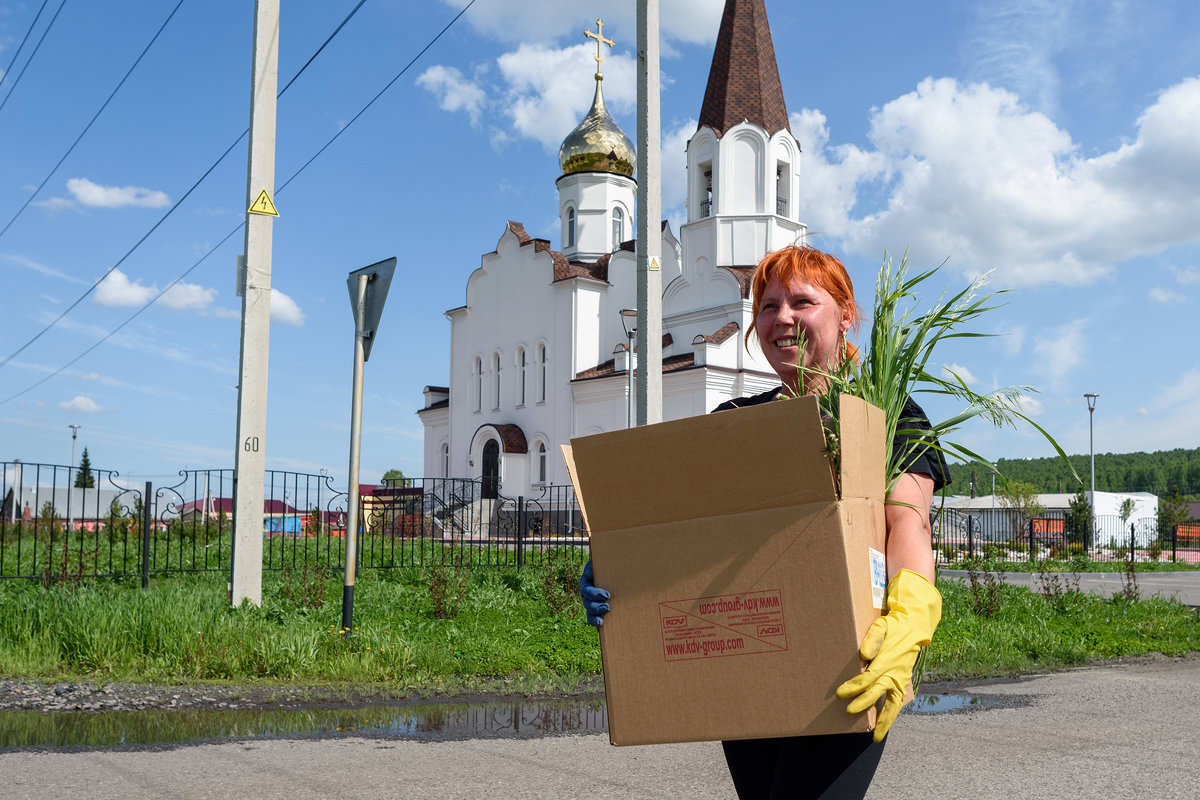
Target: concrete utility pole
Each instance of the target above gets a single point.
(649, 227)
(250, 452)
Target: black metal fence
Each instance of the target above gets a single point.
(57, 525)
(53, 530)
(1008, 535)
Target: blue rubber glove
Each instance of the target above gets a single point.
(595, 599)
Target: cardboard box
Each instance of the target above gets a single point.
(741, 583)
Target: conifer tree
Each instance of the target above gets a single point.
(84, 479)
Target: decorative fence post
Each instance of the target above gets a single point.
(1132, 539)
(147, 516)
(1174, 542)
(1032, 552)
(971, 535)
(520, 531)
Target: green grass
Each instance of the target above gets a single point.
(1030, 633)
(504, 635)
(1091, 566)
(507, 636)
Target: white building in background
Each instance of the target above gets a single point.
(538, 353)
(1109, 524)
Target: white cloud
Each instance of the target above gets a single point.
(80, 403)
(1185, 274)
(117, 290)
(188, 297)
(1014, 45)
(455, 92)
(93, 194)
(1059, 350)
(1175, 411)
(284, 309)
(969, 173)
(962, 372)
(41, 269)
(1161, 295)
(1030, 406)
(544, 97)
(674, 169)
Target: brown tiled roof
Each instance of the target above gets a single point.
(743, 276)
(563, 269)
(519, 230)
(723, 333)
(671, 364)
(743, 82)
(512, 438)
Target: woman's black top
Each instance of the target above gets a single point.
(924, 461)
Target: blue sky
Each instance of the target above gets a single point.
(1055, 143)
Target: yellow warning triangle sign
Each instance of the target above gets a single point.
(263, 205)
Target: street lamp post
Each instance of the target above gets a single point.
(1091, 401)
(70, 505)
(320, 508)
(628, 316)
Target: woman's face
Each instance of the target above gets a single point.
(795, 312)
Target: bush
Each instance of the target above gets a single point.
(559, 573)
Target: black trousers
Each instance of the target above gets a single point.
(832, 767)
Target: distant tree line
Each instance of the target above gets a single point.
(1158, 473)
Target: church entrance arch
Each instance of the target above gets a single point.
(491, 470)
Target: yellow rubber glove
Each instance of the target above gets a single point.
(891, 646)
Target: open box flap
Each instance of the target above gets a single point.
(864, 456)
(765, 456)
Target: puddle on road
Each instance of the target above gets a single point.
(941, 703)
(433, 722)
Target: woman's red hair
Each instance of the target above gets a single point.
(811, 266)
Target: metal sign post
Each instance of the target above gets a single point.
(368, 291)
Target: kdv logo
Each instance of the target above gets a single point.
(675, 622)
(770, 630)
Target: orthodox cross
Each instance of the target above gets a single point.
(600, 40)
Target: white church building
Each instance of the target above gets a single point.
(539, 352)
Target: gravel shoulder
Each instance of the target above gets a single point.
(63, 696)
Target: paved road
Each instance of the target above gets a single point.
(1183, 586)
(1111, 732)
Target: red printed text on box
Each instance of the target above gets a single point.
(724, 625)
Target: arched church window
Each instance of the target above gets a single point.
(521, 376)
(783, 184)
(570, 227)
(478, 376)
(541, 455)
(541, 373)
(445, 461)
(618, 228)
(496, 380)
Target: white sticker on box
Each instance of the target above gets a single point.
(878, 577)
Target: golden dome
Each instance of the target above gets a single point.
(597, 144)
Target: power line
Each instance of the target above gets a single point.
(25, 38)
(128, 319)
(29, 61)
(174, 205)
(203, 258)
(96, 116)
